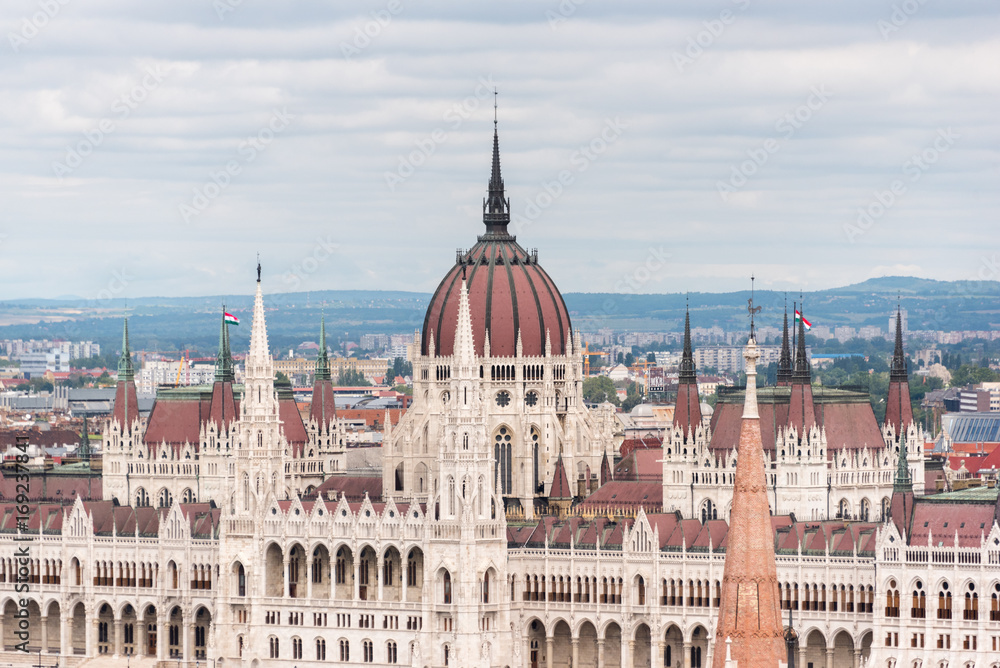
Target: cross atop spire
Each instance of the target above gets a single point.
(496, 208)
(125, 369)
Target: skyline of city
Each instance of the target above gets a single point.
(648, 149)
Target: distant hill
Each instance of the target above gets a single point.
(178, 323)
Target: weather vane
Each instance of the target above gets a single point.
(753, 310)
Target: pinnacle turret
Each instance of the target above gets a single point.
(322, 360)
(802, 372)
(126, 371)
(224, 358)
(687, 371)
(784, 376)
(898, 370)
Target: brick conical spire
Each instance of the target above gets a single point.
(749, 613)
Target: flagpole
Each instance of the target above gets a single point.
(795, 326)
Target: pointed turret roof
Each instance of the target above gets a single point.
(126, 409)
(126, 371)
(560, 482)
(749, 614)
(901, 503)
(606, 476)
(687, 371)
(802, 372)
(784, 376)
(898, 409)
(322, 360)
(323, 409)
(898, 370)
(224, 358)
(687, 410)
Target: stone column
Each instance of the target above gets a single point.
(802, 654)
(379, 563)
(187, 641)
(357, 580)
(405, 577)
(657, 661)
(143, 638)
(687, 654)
(45, 634)
(92, 636)
(118, 637)
(829, 657)
(629, 657)
(576, 652)
(161, 636)
(285, 571)
(65, 633)
(549, 641)
(309, 576)
(857, 657)
(600, 653)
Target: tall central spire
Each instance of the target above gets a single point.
(496, 208)
(898, 370)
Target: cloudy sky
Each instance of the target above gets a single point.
(153, 148)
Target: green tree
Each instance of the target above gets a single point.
(399, 367)
(970, 374)
(629, 359)
(598, 389)
(651, 357)
(352, 378)
(281, 379)
(633, 397)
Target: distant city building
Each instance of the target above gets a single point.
(730, 358)
(37, 364)
(74, 350)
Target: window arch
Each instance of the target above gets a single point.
(320, 649)
(502, 456)
(345, 650)
(892, 600)
(447, 587)
(709, 511)
(919, 609)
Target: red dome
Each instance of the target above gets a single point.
(508, 291)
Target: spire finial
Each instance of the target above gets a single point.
(754, 310)
(258, 267)
(496, 208)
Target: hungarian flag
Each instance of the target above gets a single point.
(798, 316)
(233, 320)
